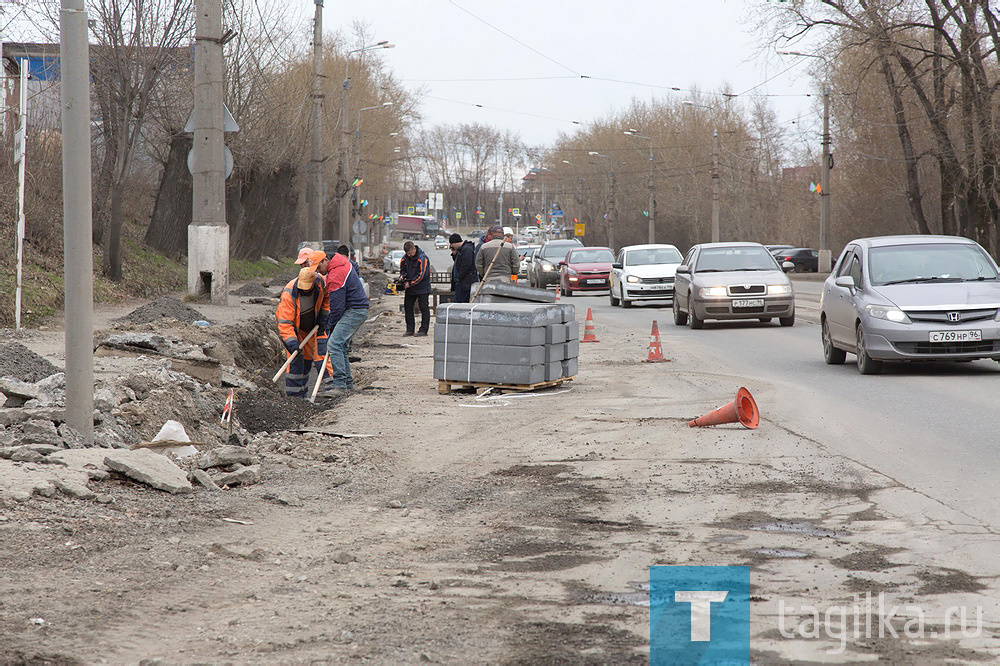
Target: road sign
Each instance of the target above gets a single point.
(360, 227)
(579, 229)
(410, 210)
(358, 240)
(227, 155)
(458, 215)
(421, 208)
(538, 217)
(439, 201)
(516, 212)
(481, 214)
(228, 122)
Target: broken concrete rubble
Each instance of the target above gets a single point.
(154, 470)
(17, 392)
(226, 456)
(242, 476)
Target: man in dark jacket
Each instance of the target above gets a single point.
(348, 311)
(463, 275)
(415, 274)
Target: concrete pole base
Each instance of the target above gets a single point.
(208, 262)
(825, 261)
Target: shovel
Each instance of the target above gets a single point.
(322, 372)
(295, 353)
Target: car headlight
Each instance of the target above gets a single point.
(712, 292)
(778, 289)
(548, 267)
(570, 271)
(887, 312)
(632, 278)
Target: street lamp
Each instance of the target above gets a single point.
(651, 211)
(384, 44)
(612, 212)
(825, 256)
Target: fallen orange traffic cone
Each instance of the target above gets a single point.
(589, 333)
(558, 294)
(655, 349)
(743, 410)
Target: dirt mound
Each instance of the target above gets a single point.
(265, 411)
(162, 308)
(252, 289)
(282, 280)
(19, 362)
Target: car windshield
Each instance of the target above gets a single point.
(651, 256)
(719, 259)
(947, 262)
(396, 254)
(557, 251)
(591, 257)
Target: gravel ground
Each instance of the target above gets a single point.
(164, 307)
(19, 362)
(252, 289)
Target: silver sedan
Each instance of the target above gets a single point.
(732, 281)
(911, 298)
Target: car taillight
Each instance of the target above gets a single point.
(787, 259)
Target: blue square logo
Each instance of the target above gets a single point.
(699, 615)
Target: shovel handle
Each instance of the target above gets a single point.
(322, 371)
(295, 353)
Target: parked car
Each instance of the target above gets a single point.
(440, 243)
(911, 298)
(805, 260)
(585, 269)
(643, 272)
(391, 261)
(775, 248)
(475, 235)
(544, 269)
(525, 252)
(732, 281)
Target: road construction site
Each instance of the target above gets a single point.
(402, 525)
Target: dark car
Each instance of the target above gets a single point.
(544, 269)
(586, 269)
(806, 260)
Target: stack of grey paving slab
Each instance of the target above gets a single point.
(496, 291)
(506, 343)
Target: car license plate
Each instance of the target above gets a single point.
(595, 281)
(956, 336)
(748, 303)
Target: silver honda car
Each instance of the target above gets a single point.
(732, 281)
(911, 298)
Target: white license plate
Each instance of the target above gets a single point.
(956, 336)
(748, 303)
(595, 281)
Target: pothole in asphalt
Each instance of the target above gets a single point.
(943, 581)
(759, 521)
(867, 560)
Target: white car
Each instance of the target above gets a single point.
(440, 243)
(391, 261)
(644, 273)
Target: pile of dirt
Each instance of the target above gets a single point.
(282, 280)
(162, 308)
(19, 362)
(252, 289)
(265, 411)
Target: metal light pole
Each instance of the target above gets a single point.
(314, 194)
(612, 208)
(715, 186)
(344, 228)
(825, 254)
(651, 210)
(74, 58)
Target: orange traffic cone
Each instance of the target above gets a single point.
(589, 333)
(558, 294)
(655, 350)
(743, 410)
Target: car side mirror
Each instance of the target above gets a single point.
(683, 269)
(845, 281)
(787, 266)
(618, 266)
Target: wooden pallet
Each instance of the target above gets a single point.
(446, 386)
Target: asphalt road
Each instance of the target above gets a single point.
(931, 427)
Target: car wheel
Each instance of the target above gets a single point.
(680, 318)
(693, 320)
(568, 292)
(611, 296)
(789, 320)
(625, 303)
(831, 354)
(765, 320)
(866, 364)
(800, 268)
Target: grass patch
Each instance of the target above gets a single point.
(242, 269)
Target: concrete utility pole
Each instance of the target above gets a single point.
(613, 204)
(208, 235)
(74, 58)
(715, 186)
(825, 257)
(651, 209)
(314, 194)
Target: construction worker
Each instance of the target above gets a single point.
(493, 232)
(463, 274)
(415, 274)
(304, 304)
(348, 310)
(507, 262)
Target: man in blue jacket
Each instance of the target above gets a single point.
(463, 275)
(415, 274)
(348, 310)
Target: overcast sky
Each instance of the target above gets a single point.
(658, 43)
